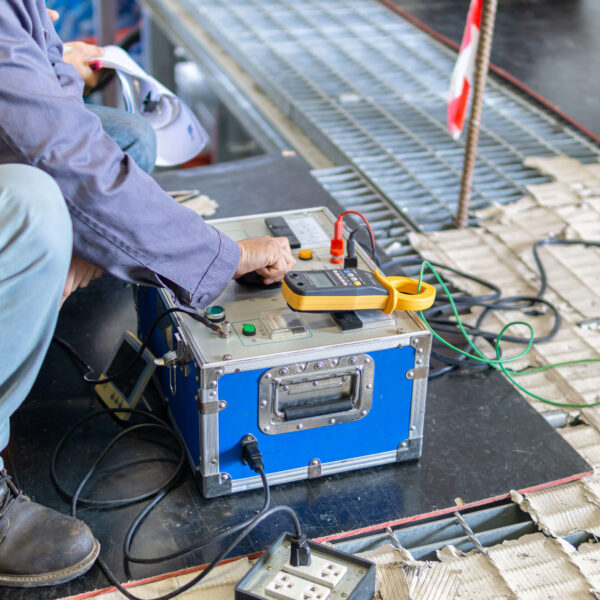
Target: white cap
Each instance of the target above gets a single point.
(179, 135)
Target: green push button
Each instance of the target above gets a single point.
(249, 329)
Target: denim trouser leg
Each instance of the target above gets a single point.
(35, 252)
(132, 133)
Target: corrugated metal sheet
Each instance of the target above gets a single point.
(479, 579)
(586, 440)
(418, 581)
(536, 567)
(587, 559)
(501, 250)
(561, 510)
(393, 583)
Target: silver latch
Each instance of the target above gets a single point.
(314, 468)
(166, 360)
(183, 353)
(179, 356)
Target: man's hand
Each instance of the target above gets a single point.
(53, 14)
(78, 57)
(269, 257)
(80, 274)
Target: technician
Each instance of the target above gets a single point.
(72, 204)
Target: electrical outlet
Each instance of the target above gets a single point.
(290, 587)
(332, 575)
(321, 570)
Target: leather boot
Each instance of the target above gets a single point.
(38, 545)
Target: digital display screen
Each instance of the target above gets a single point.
(125, 382)
(320, 280)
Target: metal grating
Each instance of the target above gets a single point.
(370, 90)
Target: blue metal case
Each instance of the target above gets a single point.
(317, 400)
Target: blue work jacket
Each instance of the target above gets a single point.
(122, 220)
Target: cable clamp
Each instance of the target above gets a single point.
(169, 359)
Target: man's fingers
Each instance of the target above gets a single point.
(284, 260)
(280, 262)
(80, 274)
(275, 272)
(284, 243)
(290, 261)
(84, 51)
(85, 279)
(91, 51)
(270, 257)
(53, 14)
(89, 274)
(286, 251)
(68, 290)
(93, 273)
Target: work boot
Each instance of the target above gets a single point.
(39, 546)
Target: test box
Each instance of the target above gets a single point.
(318, 399)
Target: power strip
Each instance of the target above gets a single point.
(331, 575)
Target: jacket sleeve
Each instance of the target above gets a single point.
(122, 220)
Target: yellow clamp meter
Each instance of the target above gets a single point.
(354, 289)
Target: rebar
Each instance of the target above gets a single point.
(488, 18)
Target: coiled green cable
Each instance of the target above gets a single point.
(498, 362)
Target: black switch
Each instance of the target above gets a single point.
(347, 320)
(279, 228)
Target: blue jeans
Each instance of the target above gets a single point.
(132, 133)
(35, 253)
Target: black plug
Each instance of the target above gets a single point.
(251, 455)
(300, 552)
(350, 262)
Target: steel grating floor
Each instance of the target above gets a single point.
(370, 90)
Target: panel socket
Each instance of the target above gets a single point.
(332, 575)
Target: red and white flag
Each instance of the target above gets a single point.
(462, 76)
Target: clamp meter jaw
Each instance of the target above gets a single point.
(354, 289)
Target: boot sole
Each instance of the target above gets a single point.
(55, 577)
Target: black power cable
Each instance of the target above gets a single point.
(79, 361)
(350, 244)
(464, 302)
(72, 353)
(559, 242)
(251, 526)
(241, 529)
(491, 302)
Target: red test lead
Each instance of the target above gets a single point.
(337, 241)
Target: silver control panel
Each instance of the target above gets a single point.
(262, 324)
